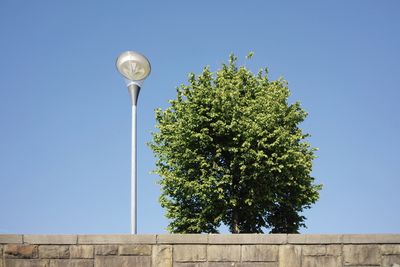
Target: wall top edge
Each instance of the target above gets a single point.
(278, 239)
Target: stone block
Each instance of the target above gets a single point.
(222, 264)
(25, 263)
(50, 239)
(223, 253)
(21, 251)
(257, 264)
(138, 250)
(314, 239)
(244, 264)
(116, 239)
(361, 255)
(72, 263)
(10, 239)
(321, 261)
(390, 249)
(334, 250)
(53, 252)
(372, 239)
(182, 239)
(390, 260)
(260, 252)
(190, 264)
(162, 256)
(247, 239)
(122, 261)
(314, 250)
(106, 250)
(289, 256)
(81, 251)
(187, 253)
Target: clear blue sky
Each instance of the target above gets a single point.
(65, 111)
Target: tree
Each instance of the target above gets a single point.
(229, 150)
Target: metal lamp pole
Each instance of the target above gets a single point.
(135, 68)
(134, 90)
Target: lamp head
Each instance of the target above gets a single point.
(133, 66)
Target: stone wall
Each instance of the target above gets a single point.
(251, 250)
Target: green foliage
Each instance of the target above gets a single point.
(230, 151)
(250, 55)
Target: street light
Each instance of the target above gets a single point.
(135, 68)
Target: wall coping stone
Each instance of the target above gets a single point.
(247, 239)
(372, 239)
(314, 239)
(182, 239)
(215, 239)
(51, 239)
(10, 239)
(117, 239)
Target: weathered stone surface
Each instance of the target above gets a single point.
(321, 261)
(184, 253)
(190, 264)
(162, 256)
(138, 250)
(51, 239)
(20, 251)
(314, 250)
(247, 239)
(390, 260)
(390, 249)
(372, 239)
(258, 264)
(25, 263)
(106, 250)
(81, 251)
(289, 256)
(334, 250)
(182, 239)
(123, 261)
(238, 264)
(361, 254)
(116, 239)
(314, 239)
(223, 253)
(222, 264)
(10, 239)
(72, 263)
(260, 252)
(242, 250)
(53, 252)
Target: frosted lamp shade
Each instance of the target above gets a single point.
(133, 66)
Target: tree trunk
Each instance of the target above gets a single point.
(235, 222)
(235, 211)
